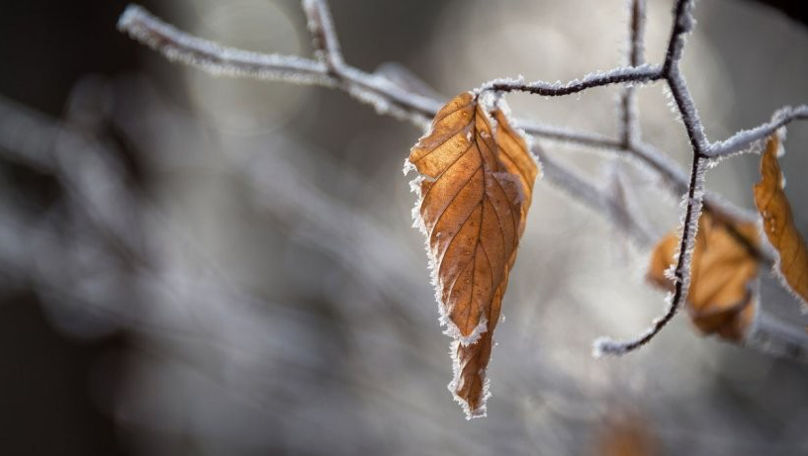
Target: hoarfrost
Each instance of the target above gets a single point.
(454, 332)
(606, 346)
(321, 27)
(217, 59)
(506, 111)
(746, 141)
(480, 411)
(639, 75)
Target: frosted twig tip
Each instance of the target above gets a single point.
(604, 346)
(130, 15)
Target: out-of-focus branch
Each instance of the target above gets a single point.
(90, 177)
(324, 38)
(564, 135)
(629, 125)
(595, 198)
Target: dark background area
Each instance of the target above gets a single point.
(47, 408)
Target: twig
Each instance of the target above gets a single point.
(217, 59)
(682, 24)
(220, 60)
(639, 75)
(564, 135)
(324, 39)
(629, 126)
(745, 138)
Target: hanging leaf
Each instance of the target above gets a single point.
(778, 223)
(720, 300)
(474, 188)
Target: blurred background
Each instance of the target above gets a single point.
(211, 266)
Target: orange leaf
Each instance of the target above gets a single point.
(719, 300)
(778, 223)
(474, 191)
(625, 433)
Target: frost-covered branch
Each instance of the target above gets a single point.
(682, 23)
(636, 32)
(746, 138)
(636, 75)
(629, 126)
(324, 38)
(216, 59)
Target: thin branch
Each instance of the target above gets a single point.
(220, 60)
(682, 24)
(645, 155)
(746, 138)
(681, 272)
(695, 192)
(564, 135)
(35, 140)
(639, 75)
(637, 33)
(629, 126)
(324, 38)
(690, 117)
(770, 335)
(216, 59)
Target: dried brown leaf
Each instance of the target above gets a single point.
(778, 223)
(474, 189)
(722, 269)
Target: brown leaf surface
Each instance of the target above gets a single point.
(719, 300)
(778, 223)
(474, 191)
